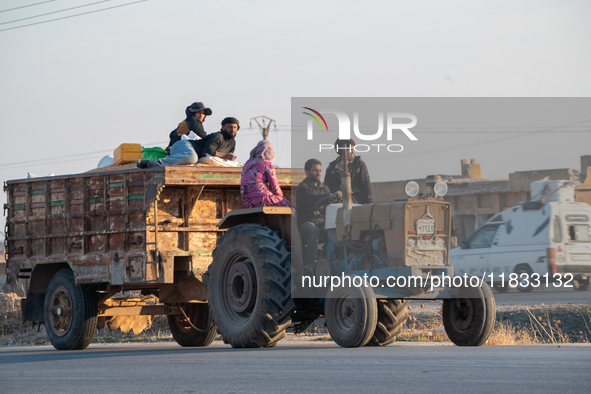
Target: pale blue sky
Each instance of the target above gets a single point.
(90, 83)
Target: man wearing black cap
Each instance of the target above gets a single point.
(196, 114)
(222, 144)
(186, 152)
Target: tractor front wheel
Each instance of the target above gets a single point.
(469, 317)
(351, 315)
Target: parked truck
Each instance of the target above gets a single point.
(179, 240)
(543, 243)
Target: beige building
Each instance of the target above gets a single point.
(475, 200)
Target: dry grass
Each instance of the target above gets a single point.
(541, 328)
(9, 303)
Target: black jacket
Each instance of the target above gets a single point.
(362, 192)
(307, 194)
(190, 124)
(214, 142)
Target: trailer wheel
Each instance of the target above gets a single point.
(70, 312)
(392, 314)
(249, 284)
(351, 315)
(183, 330)
(469, 319)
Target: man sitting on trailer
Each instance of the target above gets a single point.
(221, 144)
(192, 126)
(308, 193)
(186, 152)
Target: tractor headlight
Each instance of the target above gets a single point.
(412, 189)
(411, 242)
(440, 189)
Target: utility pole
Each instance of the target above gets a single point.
(264, 127)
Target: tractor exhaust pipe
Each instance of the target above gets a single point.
(346, 190)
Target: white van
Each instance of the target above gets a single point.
(537, 237)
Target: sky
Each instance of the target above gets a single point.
(74, 89)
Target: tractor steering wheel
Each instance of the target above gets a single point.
(319, 206)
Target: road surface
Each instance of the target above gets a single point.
(297, 367)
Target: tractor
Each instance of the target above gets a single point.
(382, 256)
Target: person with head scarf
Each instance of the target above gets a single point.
(259, 186)
(361, 189)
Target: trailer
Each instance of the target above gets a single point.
(99, 246)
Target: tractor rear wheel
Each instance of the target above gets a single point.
(249, 284)
(392, 314)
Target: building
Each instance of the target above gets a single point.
(475, 200)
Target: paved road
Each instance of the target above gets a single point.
(297, 367)
(514, 297)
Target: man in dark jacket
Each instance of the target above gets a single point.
(309, 192)
(196, 114)
(221, 144)
(186, 152)
(361, 190)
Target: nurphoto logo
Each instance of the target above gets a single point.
(392, 120)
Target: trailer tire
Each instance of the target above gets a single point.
(392, 314)
(351, 315)
(185, 334)
(471, 320)
(249, 282)
(70, 312)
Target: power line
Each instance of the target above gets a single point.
(54, 12)
(61, 159)
(81, 156)
(492, 141)
(453, 130)
(25, 6)
(264, 128)
(78, 156)
(72, 16)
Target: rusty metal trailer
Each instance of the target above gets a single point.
(82, 239)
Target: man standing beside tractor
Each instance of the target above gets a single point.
(361, 190)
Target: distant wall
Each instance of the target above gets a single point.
(519, 181)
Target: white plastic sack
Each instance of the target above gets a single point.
(553, 191)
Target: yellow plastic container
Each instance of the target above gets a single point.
(127, 153)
